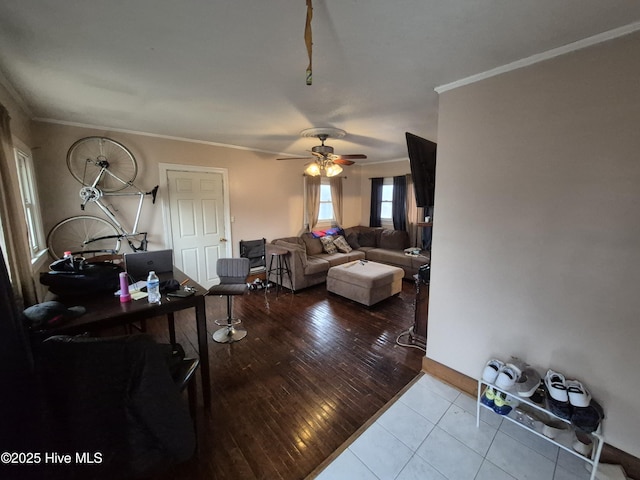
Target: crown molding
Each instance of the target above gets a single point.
(540, 57)
(154, 135)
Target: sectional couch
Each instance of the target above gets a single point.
(310, 260)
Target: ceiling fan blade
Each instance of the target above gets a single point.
(343, 162)
(356, 156)
(296, 158)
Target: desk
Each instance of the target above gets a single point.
(105, 311)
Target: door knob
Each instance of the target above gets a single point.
(222, 239)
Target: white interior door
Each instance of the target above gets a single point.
(198, 223)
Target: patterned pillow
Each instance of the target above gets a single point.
(341, 244)
(328, 245)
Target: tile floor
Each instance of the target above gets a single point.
(430, 433)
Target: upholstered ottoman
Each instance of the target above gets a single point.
(365, 282)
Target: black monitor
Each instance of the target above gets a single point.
(422, 159)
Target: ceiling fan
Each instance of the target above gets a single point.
(325, 162)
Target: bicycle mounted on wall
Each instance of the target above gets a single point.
(105, 168)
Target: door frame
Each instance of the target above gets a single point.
(166, 208)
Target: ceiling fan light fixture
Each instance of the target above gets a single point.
(313, 170)
(333, 169)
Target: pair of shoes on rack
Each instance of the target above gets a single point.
(563, 394)
(503, 375)
(500, 402)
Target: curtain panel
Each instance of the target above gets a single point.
(376, 202)
(14, 226)
(313, 200)
(399, 204)
(336, 198)
(413, 212)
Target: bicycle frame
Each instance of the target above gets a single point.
(94, 194)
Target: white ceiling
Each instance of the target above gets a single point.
(233, 71)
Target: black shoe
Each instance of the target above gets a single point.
(588, 418)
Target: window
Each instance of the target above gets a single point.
(325, 214)
(28, 192)
(386, 205)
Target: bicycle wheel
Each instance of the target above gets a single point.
(76, 234)
(88, 155)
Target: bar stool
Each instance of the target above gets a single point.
(281, 256)
(233, 274)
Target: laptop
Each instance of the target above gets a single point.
(139, 264)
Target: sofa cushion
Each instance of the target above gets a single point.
(367, 238)
(389, 257)
(327, 244)
(341, 244)
(296, 249)
(314, 246)
(394, 239)
(316, 265)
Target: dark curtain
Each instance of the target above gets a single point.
(18, 402)
(376, 202)
(399, 205)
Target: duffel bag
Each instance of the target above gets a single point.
(93, 278)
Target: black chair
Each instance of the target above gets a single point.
(255, 251)
(233, 274)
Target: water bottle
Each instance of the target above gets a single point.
(153, 288)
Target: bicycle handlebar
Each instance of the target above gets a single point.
(153, 193)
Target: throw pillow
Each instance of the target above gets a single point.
(367, 238)
(394, 239)
(341, 244)
(314, 246)
(352, 238)
(328, 245)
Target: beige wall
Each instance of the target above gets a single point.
(536, 246)
(265, 195)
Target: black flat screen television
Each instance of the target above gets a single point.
(422, 159)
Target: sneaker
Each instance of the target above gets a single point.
(557, 396)
(583, 448)
(491, 370)
(588, 418)
(488, 396)
(539, 395)
(503, 403)
(578, 395)
(508, 376)
(528, 382)
(556, 387)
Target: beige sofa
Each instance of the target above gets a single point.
(309, 262)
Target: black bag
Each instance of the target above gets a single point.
(86, 279)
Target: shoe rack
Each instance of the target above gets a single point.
(565, 437)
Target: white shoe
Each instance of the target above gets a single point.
(491, 370)
(508, 376)
(556, 386)
(578, 395)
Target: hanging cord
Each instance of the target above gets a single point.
(308, 41)
(399, 342)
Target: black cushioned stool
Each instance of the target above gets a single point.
(233, 274)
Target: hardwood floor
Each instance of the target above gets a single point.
(313, 368)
